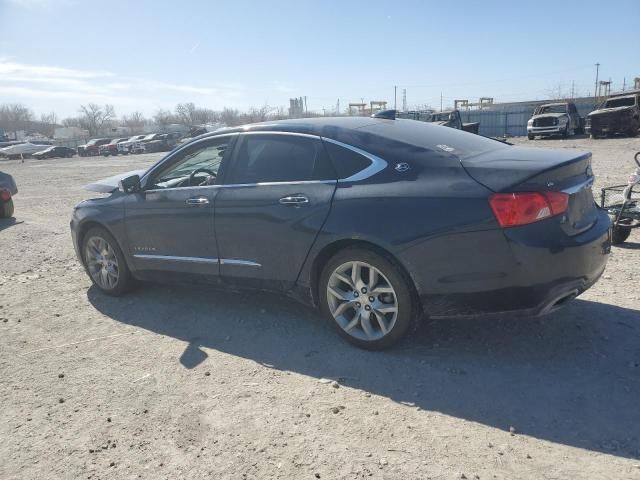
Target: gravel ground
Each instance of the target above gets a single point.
(183, 382)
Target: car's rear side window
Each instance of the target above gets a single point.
(264, 158)
(346, 162)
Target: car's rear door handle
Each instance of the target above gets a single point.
(295, 200)
(195, 201)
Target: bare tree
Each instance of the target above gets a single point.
(15, 117)
(48, 122)
(230, 117)
(558, 92)
(164, 118)
(71, 122)
(135, 122)
(94, 118)
(189, 114)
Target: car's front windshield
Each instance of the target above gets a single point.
(620, 102)
(553, 109)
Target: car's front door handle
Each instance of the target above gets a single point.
(295, 200)
(196, 201)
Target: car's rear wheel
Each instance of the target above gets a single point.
(367, 298)
(105, 262)
(620, 234)
(530, 137)
(6, 208)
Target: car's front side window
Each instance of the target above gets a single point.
(197, 166)
(264, 158)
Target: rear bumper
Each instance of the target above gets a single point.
(540, 275)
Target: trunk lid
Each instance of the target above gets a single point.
(537, 170)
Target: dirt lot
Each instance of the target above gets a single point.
(183, 382)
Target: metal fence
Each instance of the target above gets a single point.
(511, 119)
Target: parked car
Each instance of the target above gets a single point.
(8, 189)
(55, 152)
(377, 222)
(619, 114)
(561, 118)
(125, 146)
(92, 147)
(21, 150)
(139, 146)
(111, 148)
(156, 142)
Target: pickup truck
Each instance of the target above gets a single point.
(618, 114)
(559, 118)
(449, 118)
(92, 147)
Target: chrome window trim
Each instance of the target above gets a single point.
(227, 185)
(235, 261)
(176, 259)
(280, 132)
(377, 163)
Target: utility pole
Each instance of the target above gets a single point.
(404, 99)
(440, 101)
(572, 88)
(596, 90)
(395, 97)
(306, 111)
(624, 83)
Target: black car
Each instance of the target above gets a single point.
(377, 222)
(55, 152)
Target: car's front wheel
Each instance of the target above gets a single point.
(105, 262)
(368, 298)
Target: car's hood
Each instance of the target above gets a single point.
(110, 184)
(551, 115)
(609, 110)
(23, 148)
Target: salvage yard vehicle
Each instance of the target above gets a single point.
(619, 114)
(125, 146)
(111, 148)
(623, 205)
(448, 118)
(8, 189)
(21, 150)
(560, 118)
(376, 222)
(92, 147)
(139, 146)
(55, 152)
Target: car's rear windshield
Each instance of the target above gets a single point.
(620, 102)
(434, 137)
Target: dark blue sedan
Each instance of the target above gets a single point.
(378, 222)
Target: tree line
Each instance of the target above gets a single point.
(99, 118)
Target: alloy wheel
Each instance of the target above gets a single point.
(102, 263)
(362, 300)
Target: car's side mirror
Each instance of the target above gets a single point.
(130, 184)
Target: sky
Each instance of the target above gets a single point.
(56, 55)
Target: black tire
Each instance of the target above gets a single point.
(595, 135)
(530, 137)
(566, 132)
(125, 280)
(408, 312)
(620, 235)
(6, 208)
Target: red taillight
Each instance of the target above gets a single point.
(521, 208)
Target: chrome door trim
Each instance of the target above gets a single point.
(280, 132)
(377, 163)
(176, 259)
(235, 261)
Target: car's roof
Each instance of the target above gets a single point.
(314, 126)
